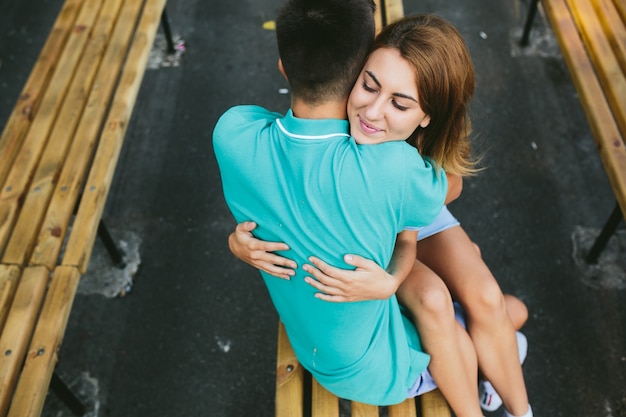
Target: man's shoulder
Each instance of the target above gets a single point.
(247, 114)
(241, 123)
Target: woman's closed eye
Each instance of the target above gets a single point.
(367, 88)
(398, 106)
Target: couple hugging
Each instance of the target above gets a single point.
(383, 295)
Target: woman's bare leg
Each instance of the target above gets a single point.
(453, 256)
(453, 359)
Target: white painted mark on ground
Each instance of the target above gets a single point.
(224, 345)
(102, 276)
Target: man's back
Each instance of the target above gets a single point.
(307, 183)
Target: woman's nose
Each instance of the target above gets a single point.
(375, 109)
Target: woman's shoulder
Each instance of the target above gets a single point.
(396, 154)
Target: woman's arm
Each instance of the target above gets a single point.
(368, 281)
(455, 186)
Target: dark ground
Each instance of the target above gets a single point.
(196, 335)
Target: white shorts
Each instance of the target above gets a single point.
(425, 381)
(444, 220)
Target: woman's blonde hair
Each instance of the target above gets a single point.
(445, 84)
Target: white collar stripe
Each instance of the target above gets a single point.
(293, 135)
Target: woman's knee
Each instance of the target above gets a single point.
(436, 301)
(488, 303)
(518, 312)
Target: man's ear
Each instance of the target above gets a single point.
(282, 69)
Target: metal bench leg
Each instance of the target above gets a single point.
(115, 253)
(604, 236)
(165, 23)
(530, 17)
(66, 395)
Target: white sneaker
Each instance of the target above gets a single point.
(489, 398)
(487, 395)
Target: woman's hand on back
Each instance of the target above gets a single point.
(367, 282)
(259, 253)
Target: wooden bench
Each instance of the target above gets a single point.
(59, 150)
(297, 392)
(592, 38)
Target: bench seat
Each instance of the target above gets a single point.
(298, 394)
(59, 150)
(592, 39)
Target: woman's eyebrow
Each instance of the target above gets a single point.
(404, 96)
(371, 74)
(373, 77)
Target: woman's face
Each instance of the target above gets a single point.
(384, 105)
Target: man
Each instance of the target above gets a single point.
(306, 182)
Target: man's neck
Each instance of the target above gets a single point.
(328, 110)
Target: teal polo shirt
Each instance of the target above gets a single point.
(307, 183)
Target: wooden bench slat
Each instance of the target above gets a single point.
(323, 403)
(378, 16)
(611, 18)
(289, 379)
(404, 409)
(9, 278)
(19, 328)
(601, 122)
(363, 410)
(26, 107)
(393, 10)
(433, 404)
(84, 229)
(61, 138)
(620, 5)
(49, 240)
(42, 354)
(28, 156)
(603, 57)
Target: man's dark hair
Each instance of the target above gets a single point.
(323, 45)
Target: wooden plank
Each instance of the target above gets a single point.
(289, 379)
(9, 278)
(615, 28)
(603, 58)
(378, 15)
(432, 404)
(42, 355)
(69, 186)
(85, 226)
(18, 329)
(620, 5)
(363, 410)
(407, 408)
(28, 156)
(323, 403)
(61, 138)
(603, 127)
(394, 10)
(387, 11)
(28, 102)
